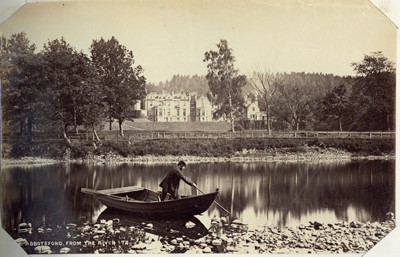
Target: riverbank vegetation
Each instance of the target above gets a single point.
(203, 149)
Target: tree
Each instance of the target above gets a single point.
(65, 72)
(297, 102)
(266, 85)
(335, 104)
(225, 82)
(122, 84)
(91, 106)
(374, 91)
(22, 81)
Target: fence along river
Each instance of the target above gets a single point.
(145, 135)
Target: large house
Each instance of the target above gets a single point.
(185, 107)
(168, 106)
(202, 109)
(252, 111)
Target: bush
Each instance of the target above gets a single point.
(198, 147)
(48, 149)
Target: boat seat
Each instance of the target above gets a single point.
(121, 190)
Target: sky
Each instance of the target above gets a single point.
(171, 37)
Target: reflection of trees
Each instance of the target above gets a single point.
(297, 189)
(51, 194)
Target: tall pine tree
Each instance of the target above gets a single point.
(225, 82)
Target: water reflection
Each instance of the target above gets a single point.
(276, 194)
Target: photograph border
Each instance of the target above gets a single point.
(389, 245)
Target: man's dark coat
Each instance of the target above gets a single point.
(170, 183)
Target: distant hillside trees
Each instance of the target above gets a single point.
(181, 83)
(293, 98)
(225, 82)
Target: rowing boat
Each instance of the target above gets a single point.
(146, 203)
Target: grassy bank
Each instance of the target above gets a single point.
(207, 149)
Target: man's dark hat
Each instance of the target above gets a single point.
(181, 163)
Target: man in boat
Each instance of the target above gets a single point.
(170, 184)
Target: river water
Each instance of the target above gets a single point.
(274, 194)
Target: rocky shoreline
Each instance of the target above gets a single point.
(222, 236)
(309, 155)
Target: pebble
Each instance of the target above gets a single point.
(190, 225)
(65, 250)
(71, 225)
(26, 228)
(207, 250)
(216, 242)
(237, 222)
(24, 225)
(224, 220)
(203, 245)
(42, 249)
(231, 249)
(21, 241)
(343, 237)
(140, 246)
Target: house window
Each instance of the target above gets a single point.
(184, 112)
(254, 109)
(177, 111)
(160, 112)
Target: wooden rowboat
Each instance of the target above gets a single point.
(146, 203)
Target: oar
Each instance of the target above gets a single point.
(215, 201)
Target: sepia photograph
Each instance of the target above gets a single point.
(197, 127)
